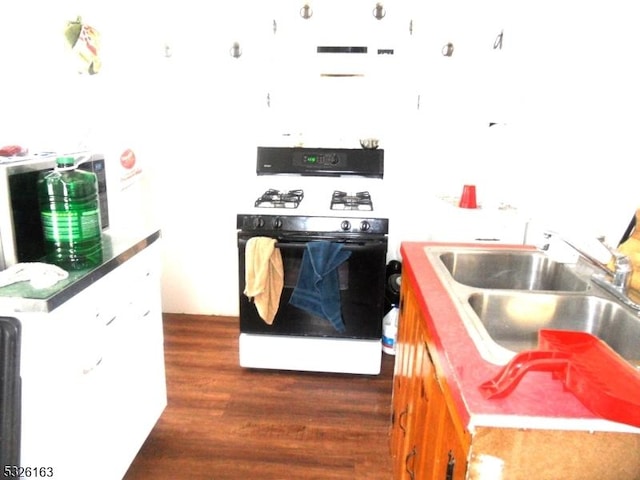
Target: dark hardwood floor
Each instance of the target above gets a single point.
(226, 422)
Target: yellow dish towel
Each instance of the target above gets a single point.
(631, 248)
(264, 276)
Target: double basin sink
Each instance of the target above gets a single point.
(506, 296)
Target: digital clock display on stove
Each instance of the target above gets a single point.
(321, 159)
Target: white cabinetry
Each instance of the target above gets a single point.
(491, 224)
(479, 225)
(93, 378)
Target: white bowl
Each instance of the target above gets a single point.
(369, 143)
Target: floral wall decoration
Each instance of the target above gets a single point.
(84, 42)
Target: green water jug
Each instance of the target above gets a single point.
(70, 212)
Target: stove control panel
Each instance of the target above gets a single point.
(320, 161)
(312, 225)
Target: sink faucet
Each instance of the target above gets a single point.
(616, 281)
(590, 258)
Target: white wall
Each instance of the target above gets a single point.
(563, 91)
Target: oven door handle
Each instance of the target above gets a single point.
(301, 242)
(348, 245)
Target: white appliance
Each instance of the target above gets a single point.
(21, 235)
(302, 196)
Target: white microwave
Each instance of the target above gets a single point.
(21, 235)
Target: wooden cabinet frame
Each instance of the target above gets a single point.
(427, 439)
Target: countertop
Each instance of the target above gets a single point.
(538, 402)
(117, 247)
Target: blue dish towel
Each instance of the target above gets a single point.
(318, 290)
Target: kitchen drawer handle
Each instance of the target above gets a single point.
(379, 12)
(401, 417)
(410, 456)
(306, 12)
(451, 466)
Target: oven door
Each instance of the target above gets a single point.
(361, 280)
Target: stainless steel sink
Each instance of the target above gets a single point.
(513, 320)
(504, 296)
(511, 270)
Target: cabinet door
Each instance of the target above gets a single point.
(452, 452)
(403, 390)
(59, 352)
(444, 438)
(426, 441)
(428, 407)
(128, 385)
(93, 375)
(413, 389)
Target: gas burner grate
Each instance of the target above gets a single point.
(276, 199)
(357, 201)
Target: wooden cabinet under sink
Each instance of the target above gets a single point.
(443, 429)
(428, 441)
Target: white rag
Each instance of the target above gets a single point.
(40, 275)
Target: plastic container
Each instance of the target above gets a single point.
(390, 331)
(70, 212)
(468, 197)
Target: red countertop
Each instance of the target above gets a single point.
(538, 401)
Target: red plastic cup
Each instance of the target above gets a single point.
(468, 198)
